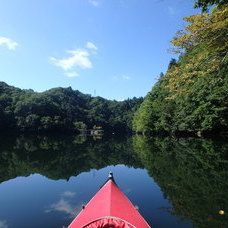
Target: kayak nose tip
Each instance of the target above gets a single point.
(110, 176)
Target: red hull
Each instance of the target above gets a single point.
(109, 208)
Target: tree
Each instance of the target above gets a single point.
(59, 108)
(172, 63)
(204, 4)
(204, 44)
(192, 96)
(80, 126)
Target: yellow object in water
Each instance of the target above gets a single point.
(221, 212)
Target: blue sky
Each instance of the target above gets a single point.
(110, 48)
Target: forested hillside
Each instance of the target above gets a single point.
(62, 109)
(193, 95)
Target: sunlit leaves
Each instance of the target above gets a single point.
(204, 43)
(192, 96)
(204, 4)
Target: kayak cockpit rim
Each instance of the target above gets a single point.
(109, 217)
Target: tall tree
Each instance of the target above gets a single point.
(192, 96)
(205, 43)
(204, 4)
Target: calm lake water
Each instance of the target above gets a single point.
(181, 183)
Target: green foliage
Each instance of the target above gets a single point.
(62, 109)
(192, 96)
(172, 63)
(204, 4)
(156, 112)
(80, 126)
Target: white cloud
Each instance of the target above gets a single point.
(119, 78)
(126, 77)
(11, 45)
(78, 58)
(94, 2)
(69, 194)
(171, 10)
(71, 74)
(91, 45)
(64, 206)
(114, 78)
(3, 224)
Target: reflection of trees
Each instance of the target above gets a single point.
(61, 157)
(193, 175)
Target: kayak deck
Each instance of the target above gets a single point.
(109, 208)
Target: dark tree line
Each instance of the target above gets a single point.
(62, 109)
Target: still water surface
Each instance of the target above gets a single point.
(44, 181)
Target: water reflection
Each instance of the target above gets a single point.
(65, 205)
(69, 194)
(192, 173)
(3, 224)
(62, 157)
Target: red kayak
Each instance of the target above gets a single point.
(109, 208)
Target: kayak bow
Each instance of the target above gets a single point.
(109, 208)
